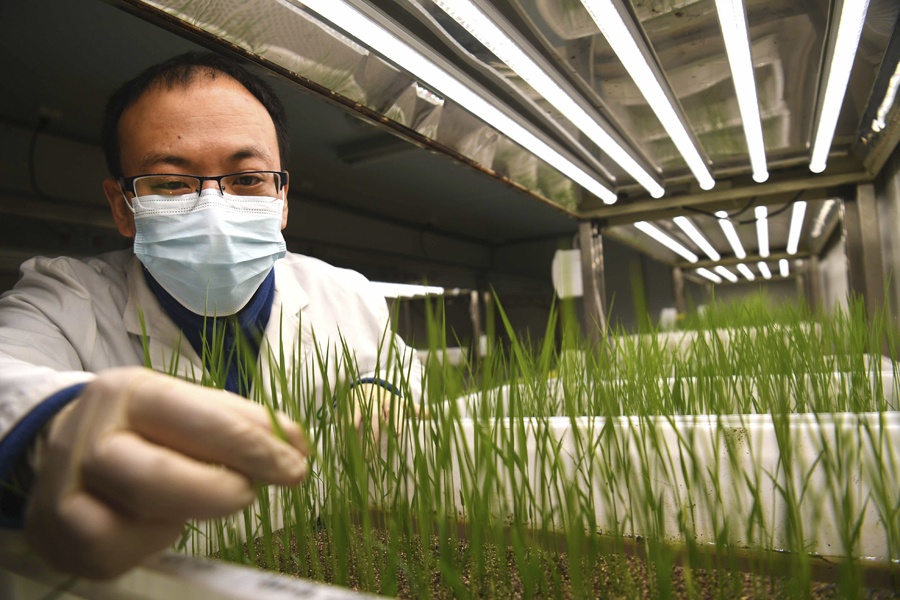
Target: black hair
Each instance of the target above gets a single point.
(181, 71)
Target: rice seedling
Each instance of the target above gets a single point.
(752, 455)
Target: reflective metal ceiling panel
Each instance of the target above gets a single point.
(787, 45)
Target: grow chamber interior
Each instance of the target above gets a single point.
(770, 430)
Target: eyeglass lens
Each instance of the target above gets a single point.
(240, 184)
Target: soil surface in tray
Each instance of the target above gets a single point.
(615, 576)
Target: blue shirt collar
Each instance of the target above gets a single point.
(252, 320)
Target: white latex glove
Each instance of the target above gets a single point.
(137, 455)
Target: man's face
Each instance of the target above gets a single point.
(210, 127)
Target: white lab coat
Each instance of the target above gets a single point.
(68, 319)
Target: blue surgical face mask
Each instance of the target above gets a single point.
(211, 243)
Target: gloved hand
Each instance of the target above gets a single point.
(138, 454)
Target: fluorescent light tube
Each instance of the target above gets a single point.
(889, 96)
(385, 43)
(726, 274)
(764, 269)
(737, 46)
(762, 230)
(697, 237)
(731, 234)
(709, 275)
(799, 213)
(783, 267)
(616, 32)
(406, 290)
(853, 15)
(666, 240)
(819, 225)
(746, 272)
(494, 39)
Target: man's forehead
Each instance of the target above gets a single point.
(167, 97)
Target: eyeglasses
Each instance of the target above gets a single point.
(248, 183)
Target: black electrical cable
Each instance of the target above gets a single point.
(729, 217)
(747, 206)
(745, 209)
(777, 212)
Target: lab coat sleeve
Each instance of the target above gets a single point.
(15, 468)
(47, 326)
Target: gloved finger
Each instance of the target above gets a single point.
(193, 420)
(85, 537)
(260, 415)
(153, 483)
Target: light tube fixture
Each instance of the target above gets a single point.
(746, 272)
(819, 224)
(764, 269)
(494, 39)
(731, 234)
(762, 230)
(889, 96)
(376, 37)
(709, 275)
(797, 216)
(697, 237)
(666, 240)
(726, 274)
(733, 22)
(783, 267)
(406, 290)
(853, 15)
(614, 29)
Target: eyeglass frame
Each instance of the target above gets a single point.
(127, 183)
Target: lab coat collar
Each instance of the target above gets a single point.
(289, 294)
(162, 333)
(284, 325)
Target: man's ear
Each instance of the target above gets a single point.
(122, 215)
(284, 214)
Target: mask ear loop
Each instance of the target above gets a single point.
(130, 205)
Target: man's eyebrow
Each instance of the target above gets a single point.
(152, 160)
(250, 152)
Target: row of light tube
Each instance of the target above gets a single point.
(762, 232)
(494, 39)
(385, 43)
(762, 228)
(744, 270)
(734, 28)
(611, 24)
(732, 20)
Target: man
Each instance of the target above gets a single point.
(113, 458)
